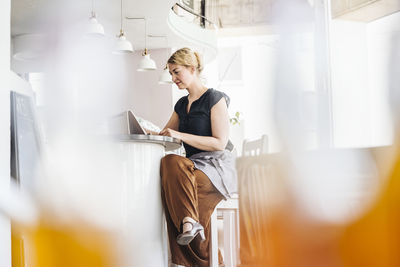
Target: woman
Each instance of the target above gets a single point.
(193, 185)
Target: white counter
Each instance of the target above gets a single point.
(141, 198)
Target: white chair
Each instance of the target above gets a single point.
(228, 211)
(255, 147)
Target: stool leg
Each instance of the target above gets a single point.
(237, 237)
(214, 240)
(229, 238)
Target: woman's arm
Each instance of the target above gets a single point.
(173, 123)
(219, 128)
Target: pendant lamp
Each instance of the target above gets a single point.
(165, 77)
(146, 63)
(94, 28)
(122, 46)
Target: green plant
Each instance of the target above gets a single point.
(236, 119)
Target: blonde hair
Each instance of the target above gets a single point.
(188, 58)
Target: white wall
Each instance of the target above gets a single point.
(360, 81)
(360, 56)
(350, 89)
(85, 84)
(252, 93)
(380, 36)
(5, 236)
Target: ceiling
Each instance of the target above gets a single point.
(38, 16)
(364, 10)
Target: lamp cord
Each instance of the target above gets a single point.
(121, 15)
(145, 34)
(166, 42)
(166, 49)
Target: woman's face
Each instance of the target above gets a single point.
(182, 76)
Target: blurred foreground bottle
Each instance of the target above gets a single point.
(58, 243)
(279, 230)
(374, 239)
(73, 217)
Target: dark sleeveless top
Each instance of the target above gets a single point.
(198, 120)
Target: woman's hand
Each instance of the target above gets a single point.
(150, 132)
(171, 133)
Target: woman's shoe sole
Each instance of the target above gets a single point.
(184, 241)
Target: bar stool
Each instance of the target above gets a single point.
(228, 211)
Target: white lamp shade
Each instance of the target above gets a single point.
(146, 63)
(94, 28)
(122, 46)
(165, 77)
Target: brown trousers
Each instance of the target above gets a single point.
(187, 192)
